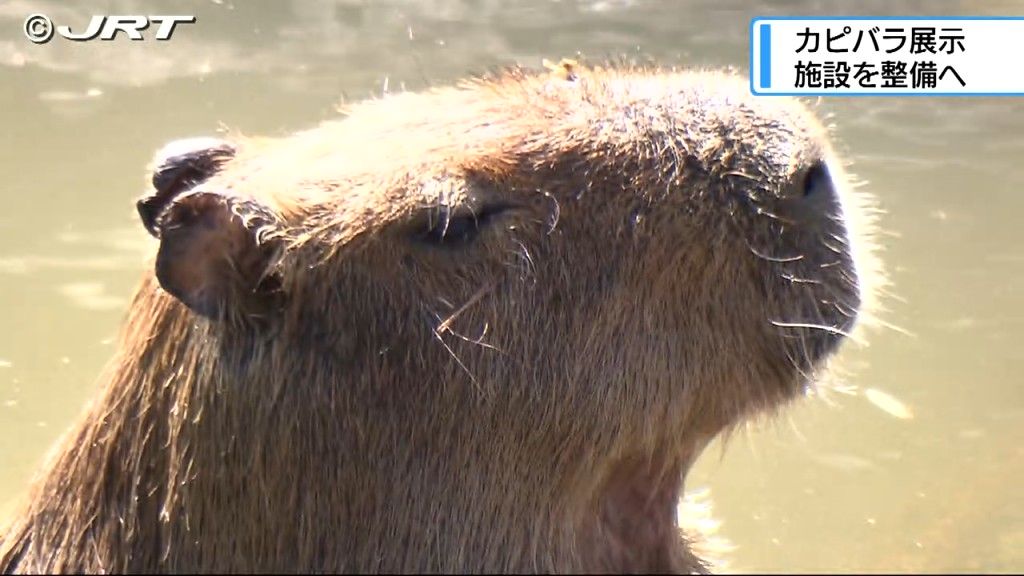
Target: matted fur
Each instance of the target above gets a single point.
(529, 400)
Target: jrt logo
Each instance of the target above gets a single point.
(39, 28)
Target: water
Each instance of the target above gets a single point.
(919, 471)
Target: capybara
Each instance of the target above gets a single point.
(480, 328)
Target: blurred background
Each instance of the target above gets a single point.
(917, 466)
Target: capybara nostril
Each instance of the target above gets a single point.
(810, 203)
(177, 167)
(817, 180)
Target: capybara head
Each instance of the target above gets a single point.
(478, 328)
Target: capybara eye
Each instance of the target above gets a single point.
(816, 180)
(445, 228)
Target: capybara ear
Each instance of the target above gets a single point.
(216, 249)
(217, 254)
(177, 168)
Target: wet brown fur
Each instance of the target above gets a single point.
(528, 402)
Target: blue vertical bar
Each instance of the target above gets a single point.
(766, 56)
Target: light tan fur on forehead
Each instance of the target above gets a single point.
(486, 126)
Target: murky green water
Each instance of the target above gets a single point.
(857, 482)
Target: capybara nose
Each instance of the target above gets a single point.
(808, 206)
(811, 201)
(177, 167)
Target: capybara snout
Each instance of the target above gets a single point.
(474, 329)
